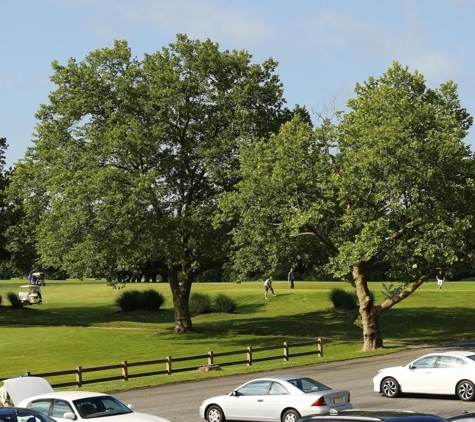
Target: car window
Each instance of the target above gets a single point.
(309, 385)
(60, 407)
(425, 362)
(41, 406)
(255, 388)
(100, 406)
(277, 389)
(447, 362)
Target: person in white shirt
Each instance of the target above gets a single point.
(268, 286)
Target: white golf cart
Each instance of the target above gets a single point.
(30, 294)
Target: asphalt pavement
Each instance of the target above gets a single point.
(180, 402)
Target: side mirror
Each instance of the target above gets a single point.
(130, 406)
(69, 415)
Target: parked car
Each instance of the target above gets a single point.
(451, 373)
(363, 415)
(36, 393)
(279, 398)
(464, 417)
(17, 414)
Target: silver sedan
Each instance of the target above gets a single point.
(278, 398)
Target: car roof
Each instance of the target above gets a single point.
(281, 377)
(368, 415)
(68, 395)
(464, 353)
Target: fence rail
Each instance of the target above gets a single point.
(211, 358)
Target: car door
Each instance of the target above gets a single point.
(59, 408)
(417, 378)
(447, 373)
(275, 401)
(248, 403)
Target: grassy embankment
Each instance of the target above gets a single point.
(79, 325)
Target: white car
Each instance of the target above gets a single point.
(436, 373)
(279, 398)
(65, 406)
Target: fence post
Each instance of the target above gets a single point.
(286, 351)
(27, 374)
(320, 347)
(210, 357)
(169, 365)
(125, 370)
(249, 356)
(79, 376)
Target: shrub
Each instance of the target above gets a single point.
(343, 299)
(14, 301)
(224, 303)
(152, 300)
(200, 303)
(129, 300)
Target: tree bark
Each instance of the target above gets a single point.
(370, 313)
(181, 295)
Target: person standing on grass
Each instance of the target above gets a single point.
(291, 278)
(268, 286)
(440, 277)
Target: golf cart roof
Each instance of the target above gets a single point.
(40, 274)
(21, 388)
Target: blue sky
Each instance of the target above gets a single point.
(324, 47)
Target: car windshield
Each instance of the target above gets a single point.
(100, 406)
(24, 416)
(308, 385)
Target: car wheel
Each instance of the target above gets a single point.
(290, 415)
(215, 414)
(466, 390)
(390, 387)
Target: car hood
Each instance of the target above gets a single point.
(22, 388)
(139, 417)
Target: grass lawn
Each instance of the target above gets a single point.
(79, 325)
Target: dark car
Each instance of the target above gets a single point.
(363, 415)
(18, 414)
(464, 417)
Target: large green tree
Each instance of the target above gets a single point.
(131, 154)
(4, 209)
(387, 185)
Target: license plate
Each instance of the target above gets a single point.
(337, 400)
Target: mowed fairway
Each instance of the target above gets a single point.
(80, 325)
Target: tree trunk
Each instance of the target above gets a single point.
(181, 295)
(369, 313)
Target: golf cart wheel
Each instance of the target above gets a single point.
(466, 390)
(390, 388)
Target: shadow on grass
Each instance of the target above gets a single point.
(441, 325)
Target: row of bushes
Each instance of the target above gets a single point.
(152, 300)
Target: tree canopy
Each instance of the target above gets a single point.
(130, 156)
(379, 188)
